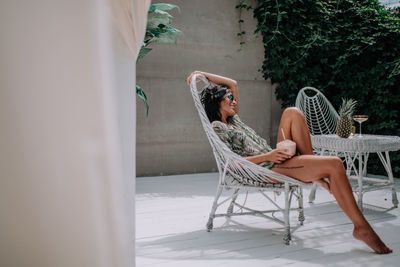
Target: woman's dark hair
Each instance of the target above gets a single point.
(211, 96)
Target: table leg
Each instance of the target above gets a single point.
(348, 159)
(365, 163)
(388, 168)
(395, 201)
(360, 180)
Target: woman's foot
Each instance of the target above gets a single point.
(369, 237)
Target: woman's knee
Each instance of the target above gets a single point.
(293, 112)
(335, 165)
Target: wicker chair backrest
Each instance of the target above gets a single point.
(320, 115)
(228, 162)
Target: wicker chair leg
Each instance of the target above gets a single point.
(395, 201)
(301, 206)
(210, 224)
(230, 208)
(360, 201)
(213, 209)
(287, 237)
(311, 197)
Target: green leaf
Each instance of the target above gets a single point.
(162, 13)
(154, 21)
(155, 32)
(163, 6)
(173, 30)
(246, 3)
(143, 51)
(143, 96)
(169, 36)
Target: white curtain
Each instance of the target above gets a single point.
(130, 18)
(67, 133)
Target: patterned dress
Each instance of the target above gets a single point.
(241, 139)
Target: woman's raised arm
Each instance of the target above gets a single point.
(220, 80)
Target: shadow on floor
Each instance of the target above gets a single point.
(234, 240)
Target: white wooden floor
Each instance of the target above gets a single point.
(171, 213)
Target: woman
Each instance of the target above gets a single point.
(222, 105)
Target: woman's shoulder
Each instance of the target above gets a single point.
(219, 125)
(221, 129)
(235, 120)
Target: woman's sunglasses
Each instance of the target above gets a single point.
(230, 97)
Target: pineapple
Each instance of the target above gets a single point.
(343, 127)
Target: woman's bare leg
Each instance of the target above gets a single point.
(309, 168)
(296, 129)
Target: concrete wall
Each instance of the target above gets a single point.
(171, 140)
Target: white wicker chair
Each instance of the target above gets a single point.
(321, 118)
(320, 115)
(239, 174)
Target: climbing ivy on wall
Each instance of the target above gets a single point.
(345, 48)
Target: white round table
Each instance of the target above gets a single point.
(358, 148)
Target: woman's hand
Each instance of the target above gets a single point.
(193, 73)
(277, 156)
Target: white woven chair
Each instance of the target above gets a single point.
(239, 174)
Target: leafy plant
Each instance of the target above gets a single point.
(345, 48)
(158, 30)
(243, 4)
